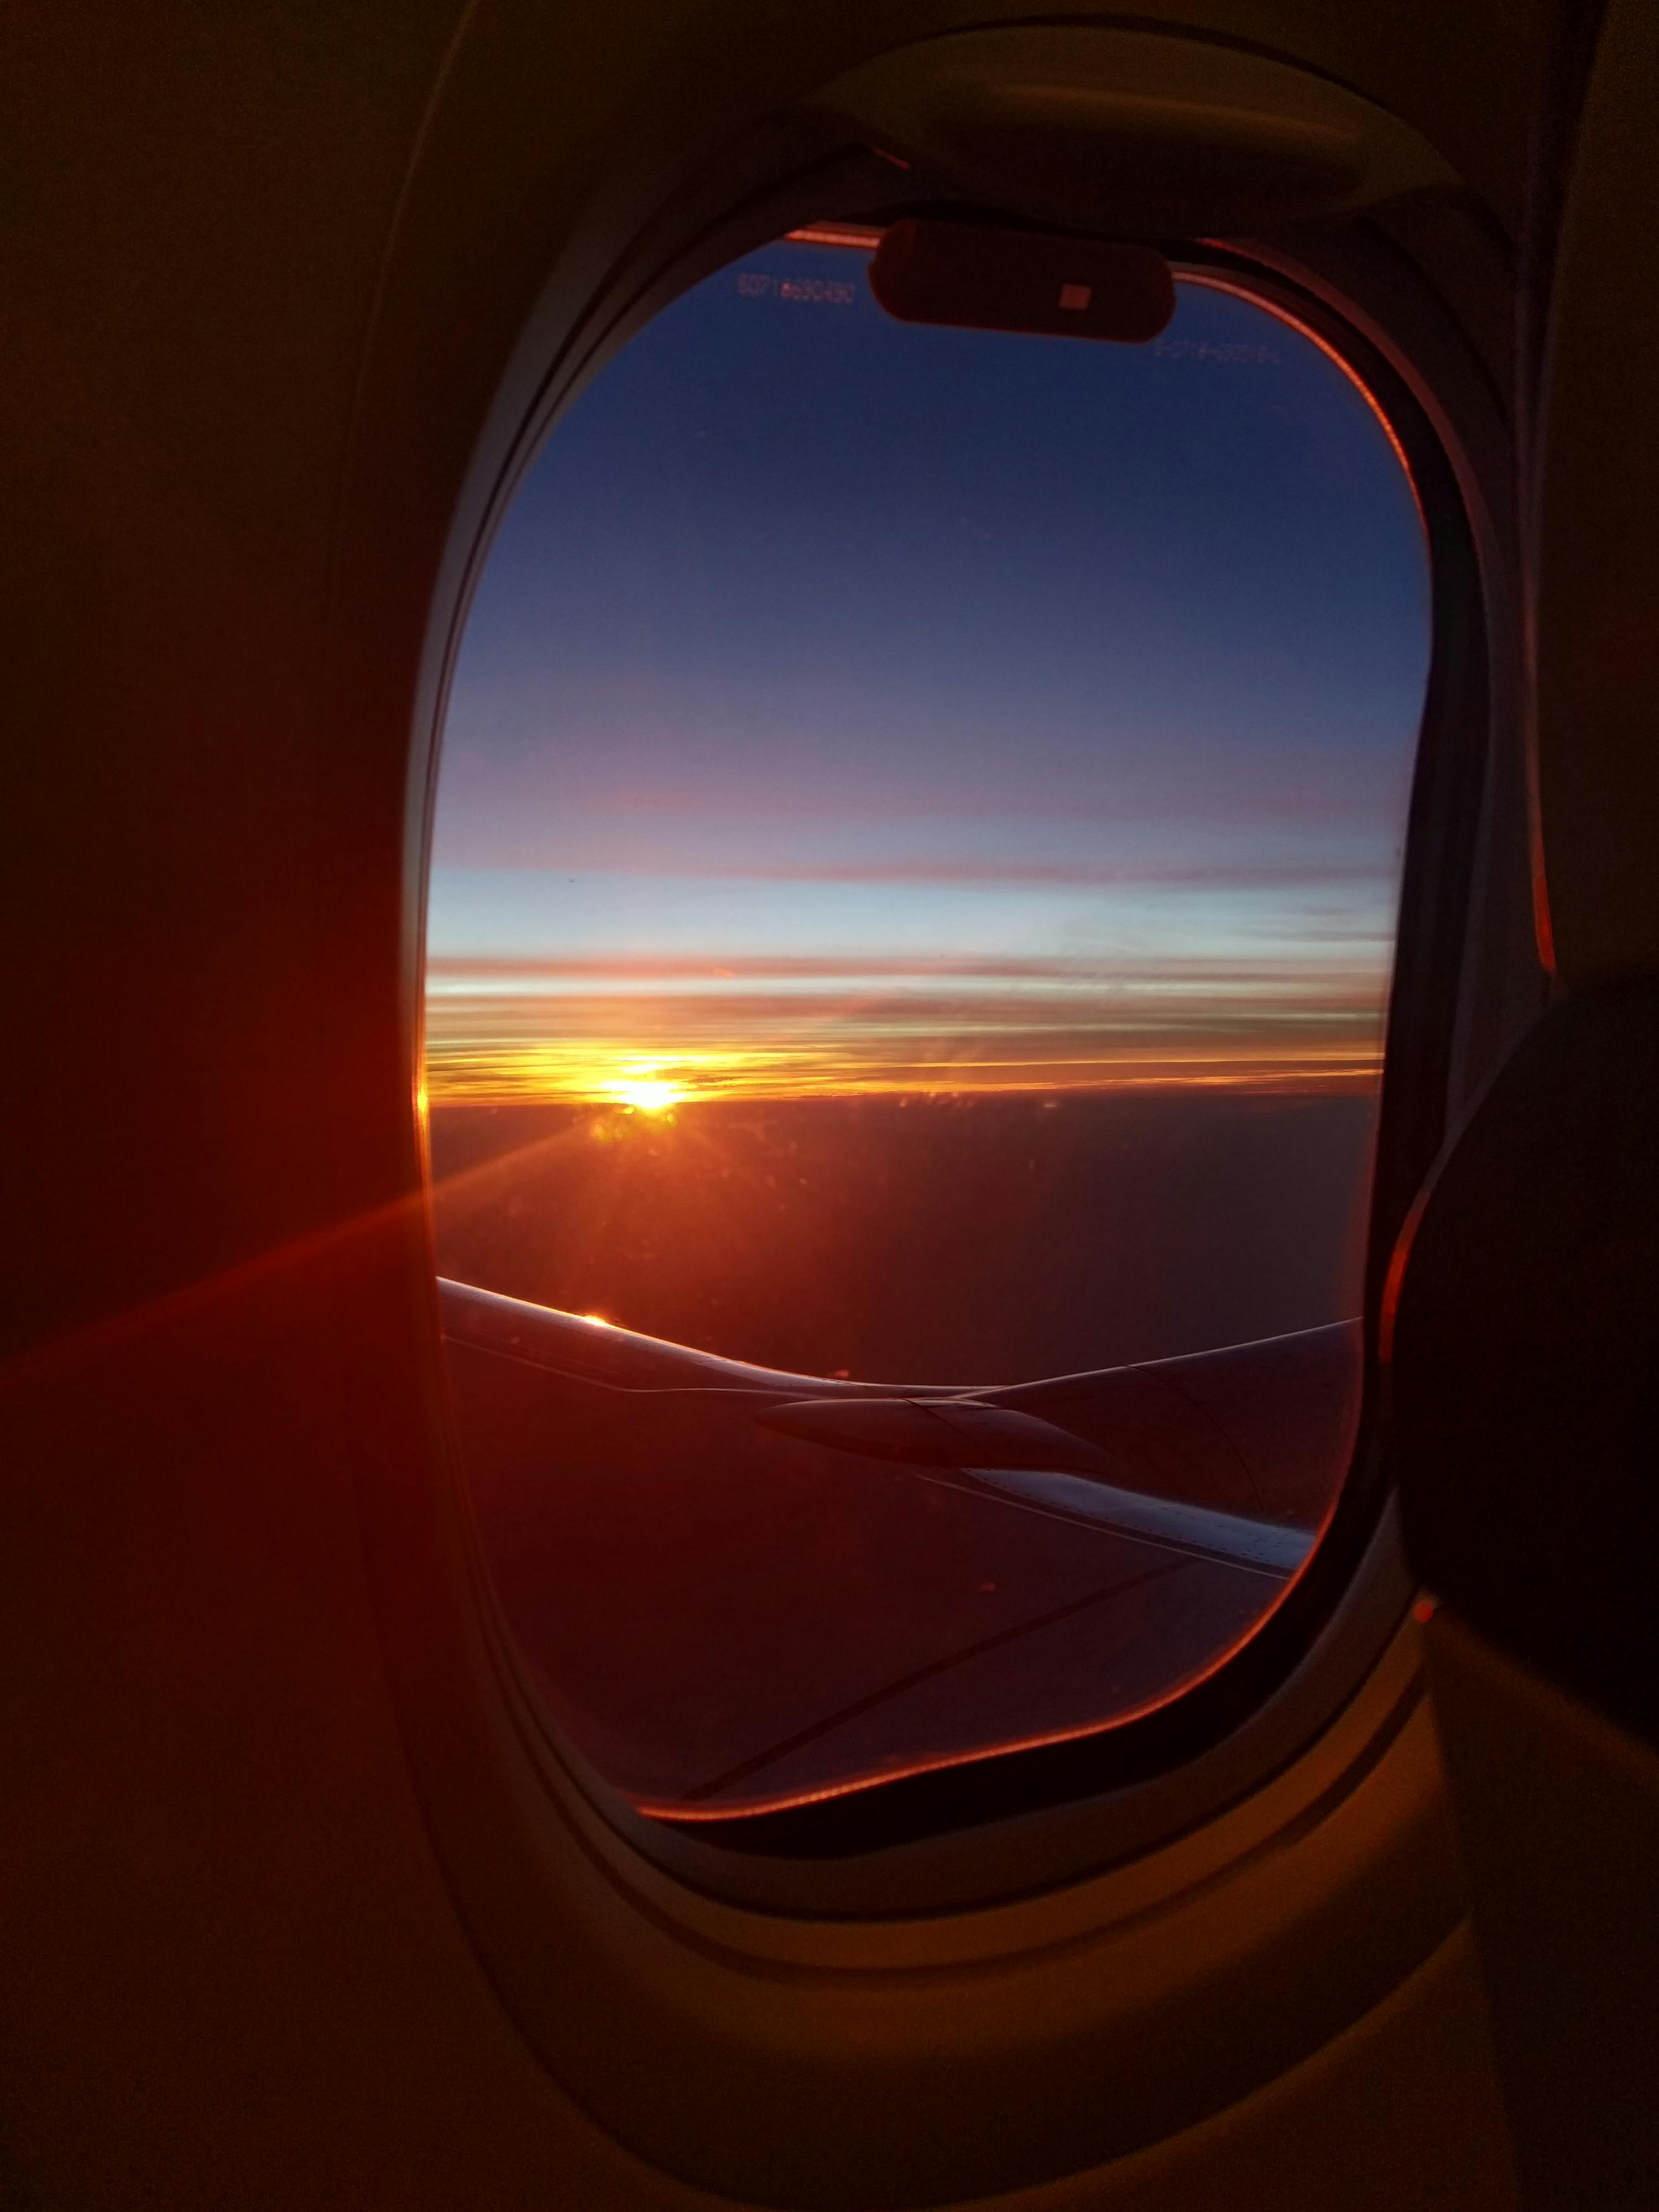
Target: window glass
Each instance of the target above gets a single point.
(911, 910)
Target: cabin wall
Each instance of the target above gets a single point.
(264, 269)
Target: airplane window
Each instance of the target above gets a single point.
(911, 910)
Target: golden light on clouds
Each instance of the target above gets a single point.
(647, 1044)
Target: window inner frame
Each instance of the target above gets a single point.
(1355, 1589)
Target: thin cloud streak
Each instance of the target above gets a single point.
(969, 870)
(460, 971)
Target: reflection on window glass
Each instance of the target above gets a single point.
(911, 911)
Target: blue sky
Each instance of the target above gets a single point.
(845, 702)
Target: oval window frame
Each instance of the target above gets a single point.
(1447, 773)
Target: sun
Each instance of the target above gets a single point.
(645, 1091)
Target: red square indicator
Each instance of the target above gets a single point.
(1076, 297)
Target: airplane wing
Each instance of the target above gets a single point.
(736, 1587)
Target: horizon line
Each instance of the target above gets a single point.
(660, 1083)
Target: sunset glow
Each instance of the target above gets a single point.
(502, 1070)
(1052, 735)
(653, 1042)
